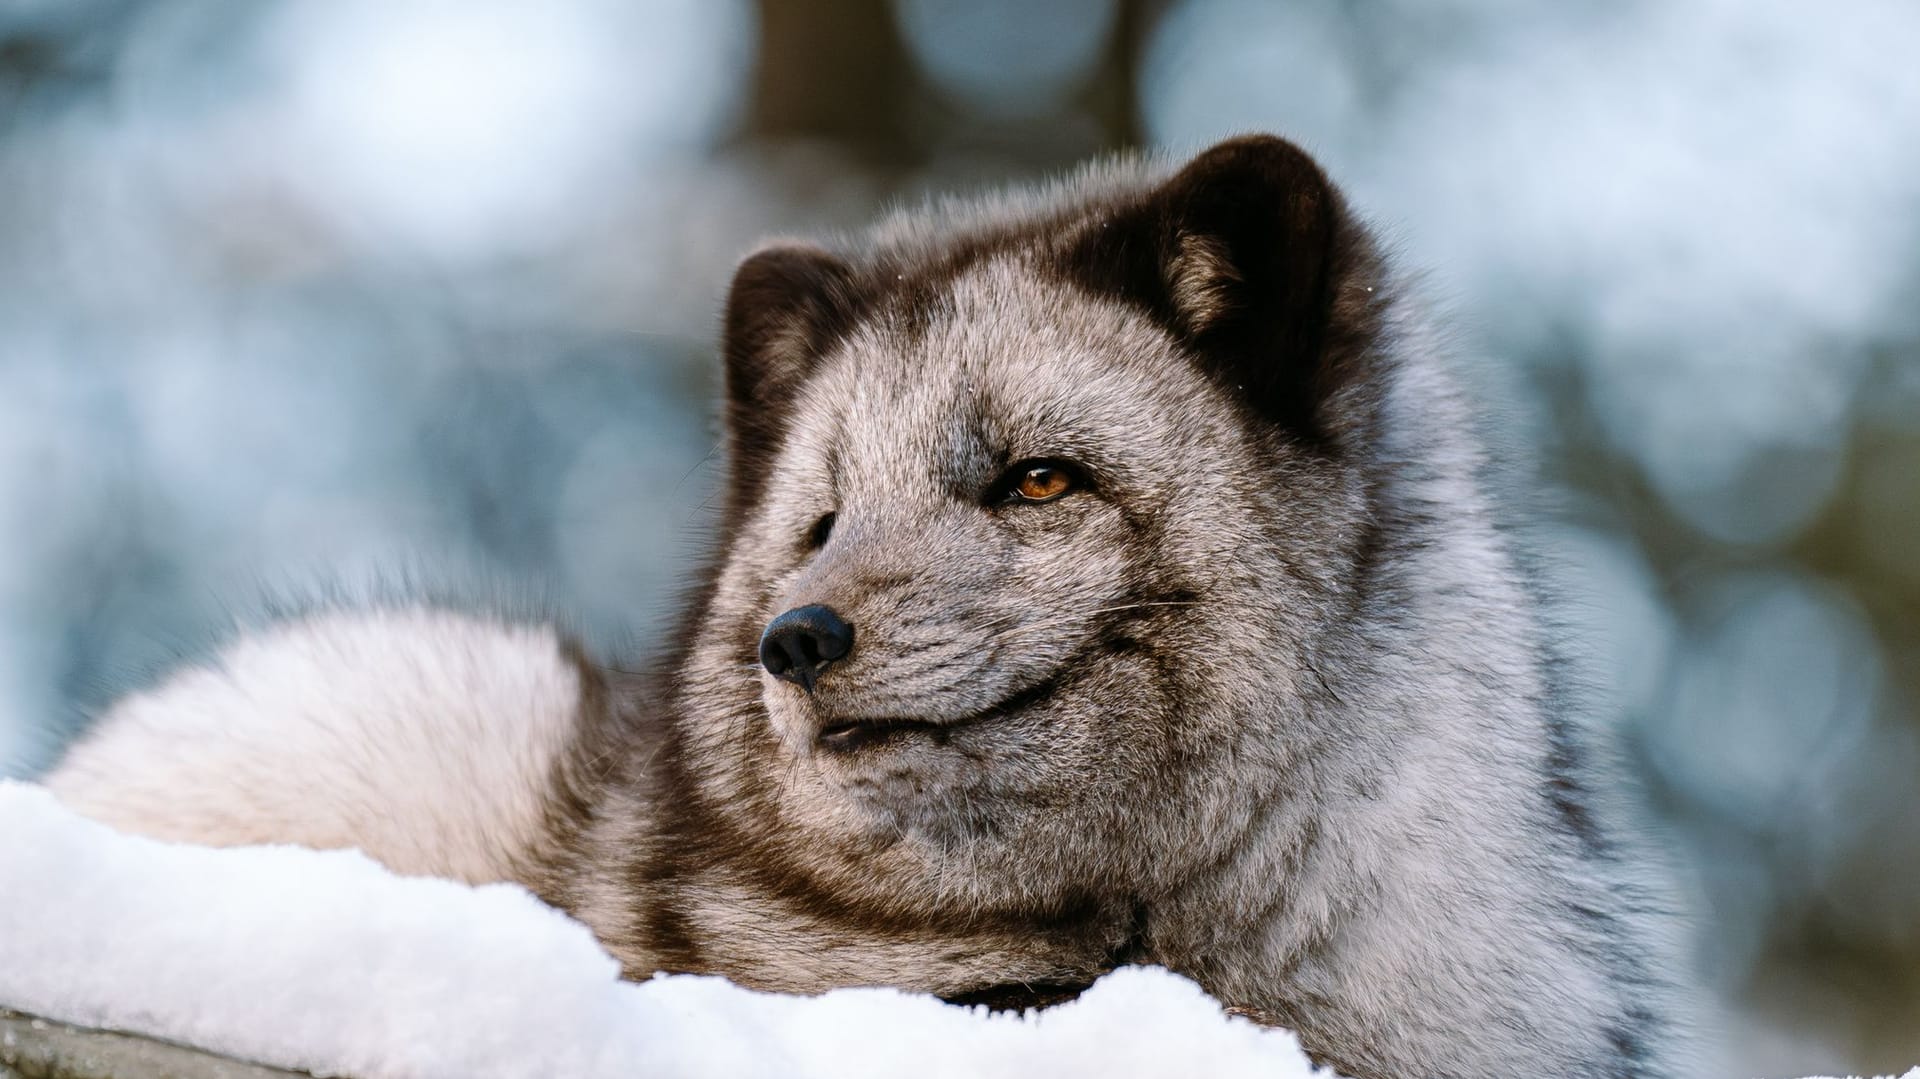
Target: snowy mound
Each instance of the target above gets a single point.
(326, 962)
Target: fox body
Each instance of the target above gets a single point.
(1107, 575)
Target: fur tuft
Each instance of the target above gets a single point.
(426, 738)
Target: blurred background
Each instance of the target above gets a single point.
(314, 292)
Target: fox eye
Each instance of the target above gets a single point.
(817, 535)
(1038, 481)
(1044, 483)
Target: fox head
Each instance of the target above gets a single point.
(1037, 519)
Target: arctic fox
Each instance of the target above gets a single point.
(1106, 576)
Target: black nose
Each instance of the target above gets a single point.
(800, 644)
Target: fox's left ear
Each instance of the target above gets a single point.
(1247, 255)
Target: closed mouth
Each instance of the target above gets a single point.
(850, 736)
(867, 733)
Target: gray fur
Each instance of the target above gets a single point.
(1267, 703)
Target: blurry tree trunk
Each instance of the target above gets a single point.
(838, 71)
(834, 70)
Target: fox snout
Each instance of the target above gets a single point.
(801, 644)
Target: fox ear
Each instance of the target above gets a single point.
(1242, 255)
(787, 305)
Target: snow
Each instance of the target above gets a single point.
(324, 961)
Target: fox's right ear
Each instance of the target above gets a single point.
(788, 303)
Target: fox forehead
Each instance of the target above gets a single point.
(1002, 365)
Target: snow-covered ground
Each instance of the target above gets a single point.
(325, 962)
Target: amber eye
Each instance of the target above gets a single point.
(1043, 483)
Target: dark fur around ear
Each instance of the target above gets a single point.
(1241, 254)
(787, 306)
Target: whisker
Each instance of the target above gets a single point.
(1071, 619)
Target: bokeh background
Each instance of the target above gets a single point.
(323, 291)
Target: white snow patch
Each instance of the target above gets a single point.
(326, 962)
